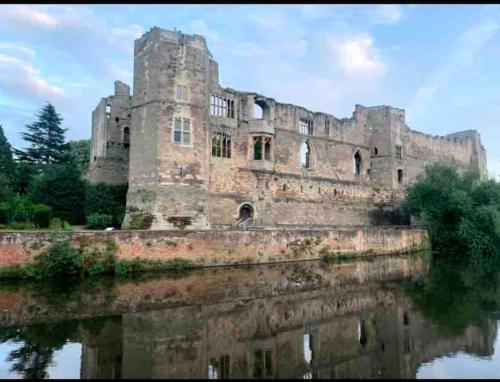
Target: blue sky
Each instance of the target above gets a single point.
(439, 63)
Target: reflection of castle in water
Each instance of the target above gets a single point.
(346, 331)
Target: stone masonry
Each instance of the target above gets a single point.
(199, 156)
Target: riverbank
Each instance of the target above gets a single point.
(217, 247)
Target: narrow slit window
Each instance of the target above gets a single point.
(267, 149)
(327, 128)
(398, 152)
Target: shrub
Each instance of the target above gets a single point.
(60, 260)
(20, 226)
(4, 213)
(99, 221)
(106, 199)
(20, 209)
(42, 215)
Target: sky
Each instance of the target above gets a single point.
(438, 62)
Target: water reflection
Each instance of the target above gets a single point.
(351, 320)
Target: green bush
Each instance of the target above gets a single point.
(106, 199)
(60, 260)
(42, 215)
(20, 209)
(99, 221)
(460, 211)
(4, 213)
(20, 226)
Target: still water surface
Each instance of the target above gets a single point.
(380, 318)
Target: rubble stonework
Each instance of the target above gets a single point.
(233, 166)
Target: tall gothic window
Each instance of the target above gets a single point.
(357, 163)
(305, 155)
(306, 126)
(221, 107)
(257, 148)
(221, 144)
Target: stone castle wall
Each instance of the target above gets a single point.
(175, 185)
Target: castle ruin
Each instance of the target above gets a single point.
(196, 155)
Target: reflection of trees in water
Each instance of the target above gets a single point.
(39, 342)
(454, 294)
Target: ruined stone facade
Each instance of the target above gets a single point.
(201, 156)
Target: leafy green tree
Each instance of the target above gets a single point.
(460, 211)
(61, 187)
(46, 139)
(6, 159)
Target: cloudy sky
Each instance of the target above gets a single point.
(440, 63)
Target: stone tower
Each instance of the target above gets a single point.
(168, 171)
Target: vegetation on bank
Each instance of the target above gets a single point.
(42, 186)
(461, 212)
(62, 260)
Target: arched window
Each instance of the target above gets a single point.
(305, 155)
(400, 176)
(267, 149)
(257, 148)
(258, 111)
(126, 136)
(357, 163)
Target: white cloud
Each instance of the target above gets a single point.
(21, 79)
(28, 14)
(18, 48)
(357, 56)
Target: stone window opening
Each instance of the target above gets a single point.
(263, 365)
(327, 127)
(262, 148)
(221, 107)
(219, 368)
(406, 319)
(305, 155)
(308, 348)
(108, 110)
(221, 144)
(245, 212)
(400, 176)
(398, 152)
(258, 111)
(182, 131)
(126, 137)
(357, 163)
(181, 93)
(306, 126)
(375, 150)
(362, 335)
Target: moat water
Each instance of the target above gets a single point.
(403, 317)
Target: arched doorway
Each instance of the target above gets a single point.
(246, 212)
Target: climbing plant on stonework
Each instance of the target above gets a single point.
(45, 137)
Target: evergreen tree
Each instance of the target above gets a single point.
(6, 160)
(46, 137)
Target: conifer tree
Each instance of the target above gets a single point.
(46, 137)
(6, 161)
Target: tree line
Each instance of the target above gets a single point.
(43, 184)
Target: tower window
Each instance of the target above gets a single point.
(398, 152)
(400, 176)
(327, 128)
(126, 137)
(181, 93)
(182, 131)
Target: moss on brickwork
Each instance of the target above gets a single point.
(141, 221)
(307, 245)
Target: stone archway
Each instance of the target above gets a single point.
(246, 212)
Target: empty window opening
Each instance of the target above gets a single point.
(284, 187)
(221, 107)
(221, 144)
(327, 127)
(362, 335)
(357, 163)
(257, 148)
(382, 346)
(305, 155)
(181, 93)
(258, 112)
(182, 131)
(218, 368)
(306, 126)
(335, 192)
(308, 348)
(95, 158)
(117, 119)
(126, 137)
(262, 366)
(246, 211)
(108, 109)
(400, 176)
(375, 150)
(267, 149)
(398, 152)
(406, 319)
